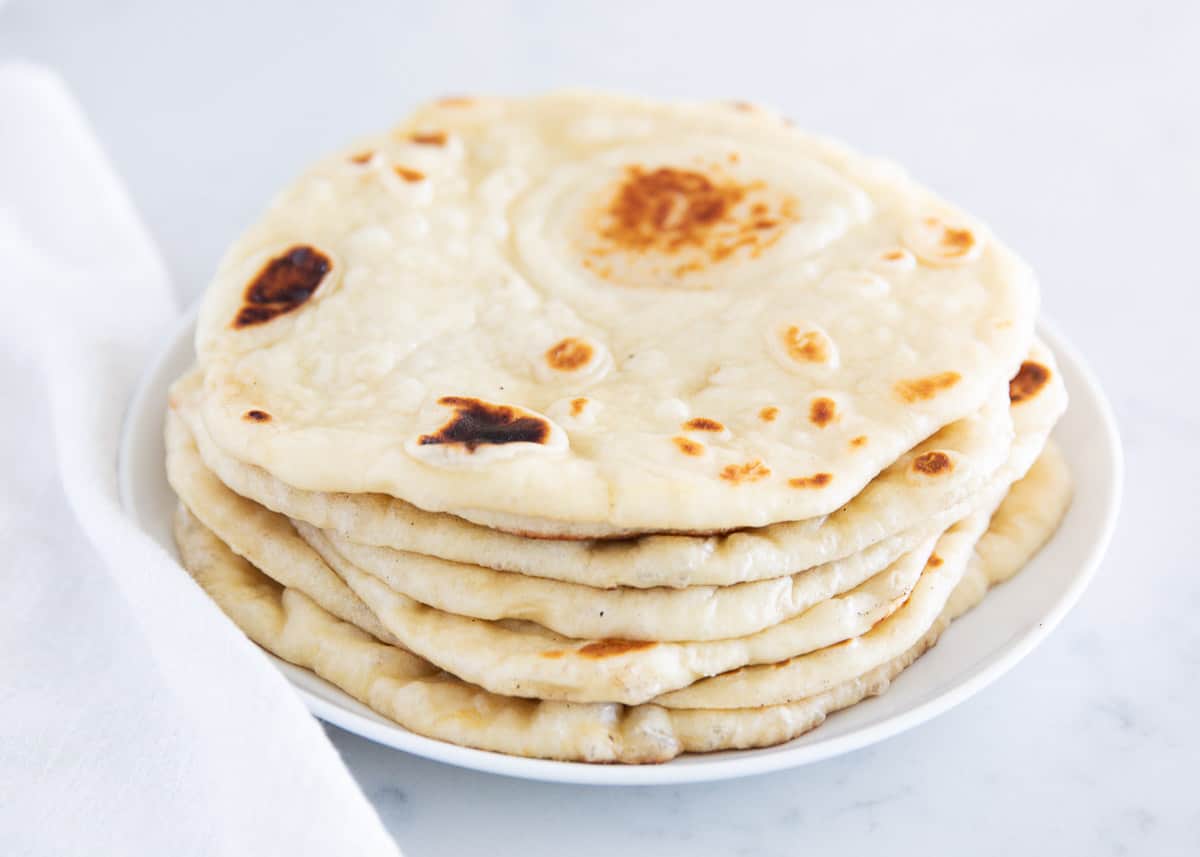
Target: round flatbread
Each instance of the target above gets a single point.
(587, 314)
(905, 496)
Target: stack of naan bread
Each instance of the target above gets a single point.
(591, 428)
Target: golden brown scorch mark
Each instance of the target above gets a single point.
(954, 242)
(921, 389)
(807, 346)
(613, 648)
(668, 210)
(408, 174)
(702, 424)
(569, 354)
(817, 480)
(750, 471)
(822, 412)
(577, 406)
(858, 442)
(257, 416)
(768, 414)
(429, 138)
(688, 446)
(934, 561)
(362, 157)
(282, 285)
(476, 422)
(932, 463)
(1028, 382)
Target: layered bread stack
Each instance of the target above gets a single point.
(589, 428)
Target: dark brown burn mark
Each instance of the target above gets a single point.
(934, 561)
(751, 471)
(577, 406)
(257, 416)
(362, 158)
(702, 424)
(768, 414)
(817, 480)
(429, 138)
(282, 285)
(408, 174)
(1028, 382)
(932, 463)
(688, 446)
(822, 412)
(476, 422)
(612, 648)
(923, 389)
(569, 354)
(859, 442)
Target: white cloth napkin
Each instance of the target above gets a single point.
(134, 718)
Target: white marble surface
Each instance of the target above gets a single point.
(1073, 128)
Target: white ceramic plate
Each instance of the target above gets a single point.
(974, 652)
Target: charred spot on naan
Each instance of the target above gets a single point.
(923, 389)
(476, 423)
(703, 424)
(940, 243)
(806, 346)
(817, 480)
(256, 416)
(750, 471)
(428, 138)
(858, 442)
(362, 158)
(282, 285)
(408, 173)
(601, 649)
(768, 414)
(1028, 382)
(822, 411)
(934, 561)
(578, 405)
(688, 446)
(569, 354)
(700, 218)
(932, 463)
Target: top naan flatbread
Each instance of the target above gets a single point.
(604, 311)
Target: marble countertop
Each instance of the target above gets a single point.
(1073, 130)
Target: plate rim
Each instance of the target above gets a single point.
(700, 767)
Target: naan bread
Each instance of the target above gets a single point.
(523, 659)
(951, 585)
(895, 502)
(249, 529)
(429, 702)
(589, 314)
